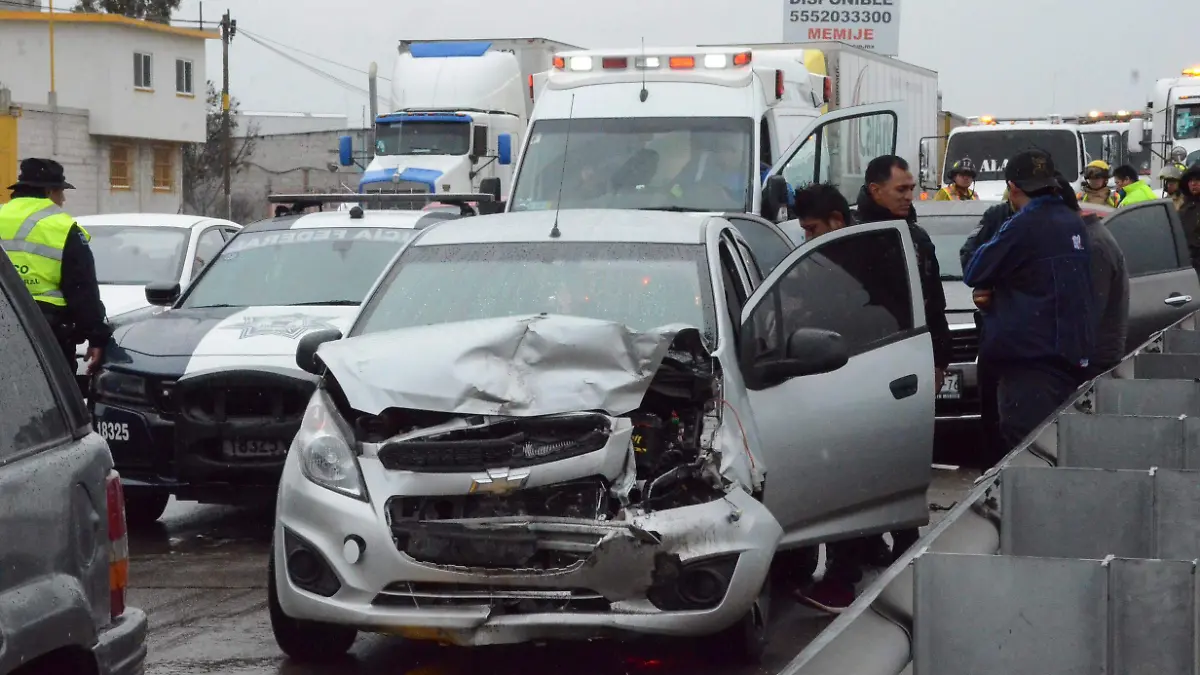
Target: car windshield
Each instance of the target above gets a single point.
(1187, 122)
(423, 138)
(326, 266)
(948, 234)
(990, 150)
(692, 163)
(137, 255)
(642, 286)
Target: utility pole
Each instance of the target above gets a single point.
(228, 29)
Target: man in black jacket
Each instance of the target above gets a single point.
(887, 195)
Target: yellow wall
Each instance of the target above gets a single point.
(8, 154)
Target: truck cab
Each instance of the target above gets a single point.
(689, 128)
(989, 144)
(460, 108)
(1176, 120)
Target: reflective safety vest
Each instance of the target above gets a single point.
(33, 231)
(948, 195)
(1135, 193)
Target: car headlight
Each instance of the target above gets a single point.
(325, 455)
(121, 385)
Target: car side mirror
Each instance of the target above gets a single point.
(810, 351)
(162, 293)
(306, 350)
(774, 199)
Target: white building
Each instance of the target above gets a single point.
(127, 94)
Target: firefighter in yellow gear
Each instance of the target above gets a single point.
(1095, 185)
(962, 176)
(1170, 176)
(51, 254)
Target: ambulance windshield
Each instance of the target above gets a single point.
(691, 163)
(990, 150)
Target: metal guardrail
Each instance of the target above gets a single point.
(1076, 553)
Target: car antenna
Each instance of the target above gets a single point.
(644, 93)
(554, 233)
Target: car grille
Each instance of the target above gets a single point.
(964, 344)
(508, 599)
(280, 400)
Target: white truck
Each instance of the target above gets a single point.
(989, 142)
(696, 128)
(1176, 119)
(459, 109)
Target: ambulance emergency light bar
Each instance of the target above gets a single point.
(585, 63)
(988, 120)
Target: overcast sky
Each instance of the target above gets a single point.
(999, 57)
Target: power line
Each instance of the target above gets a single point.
(314, 56)
(313, 69)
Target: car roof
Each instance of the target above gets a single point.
(400, 220)
(577, 225)
(147, 220)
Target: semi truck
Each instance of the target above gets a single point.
(459, 109)
(638, 128)
(1176, 119)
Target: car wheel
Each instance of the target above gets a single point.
(310, 641)
(144, 507)
(795, 568)
(745, 642)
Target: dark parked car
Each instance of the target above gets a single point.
(64, 553)
(1163, 285)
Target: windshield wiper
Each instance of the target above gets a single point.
(674, 209)
(326, 303)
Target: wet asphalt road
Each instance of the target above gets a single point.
(201, 576)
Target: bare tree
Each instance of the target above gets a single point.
(203, 189)
(158, 11)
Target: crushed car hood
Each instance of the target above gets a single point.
(513, 366)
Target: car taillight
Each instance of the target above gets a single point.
(118, 545)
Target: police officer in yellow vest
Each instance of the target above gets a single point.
(50, 251)
(962, 176)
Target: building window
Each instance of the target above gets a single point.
(120, 166)
(143, 71)
(164, 168)
(183, 77)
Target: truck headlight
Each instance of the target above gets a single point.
(325, 454)
(124, 386)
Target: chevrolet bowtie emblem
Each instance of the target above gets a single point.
(499, 481)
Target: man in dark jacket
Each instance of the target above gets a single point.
(1189, 211)
(887, 195)
(1037, 316)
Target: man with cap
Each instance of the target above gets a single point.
(1034, 291)
(50, 251)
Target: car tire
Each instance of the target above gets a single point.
(745, 642)
(305, 641)
(795, 569)
(144, 507)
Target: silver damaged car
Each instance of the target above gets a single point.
(603, 425)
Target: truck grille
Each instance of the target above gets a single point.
(964, 344)
(283, 400)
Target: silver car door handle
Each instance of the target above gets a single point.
(1177, 300)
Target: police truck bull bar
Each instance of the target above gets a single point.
(469, 203)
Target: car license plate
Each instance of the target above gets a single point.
(253, 448)
(951, 385)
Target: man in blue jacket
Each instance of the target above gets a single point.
(1033, 287)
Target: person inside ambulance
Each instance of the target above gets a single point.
(1095, 189)
(716, 164)
(962, 177)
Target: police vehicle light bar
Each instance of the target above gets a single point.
(585, 63)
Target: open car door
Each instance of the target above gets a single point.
(836, 148)
(847, 440)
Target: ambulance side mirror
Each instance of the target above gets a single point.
(1137, 130)
(774, 199)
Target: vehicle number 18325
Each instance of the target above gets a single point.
(113, 431)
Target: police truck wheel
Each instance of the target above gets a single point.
(144, 507)
(305, 641)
